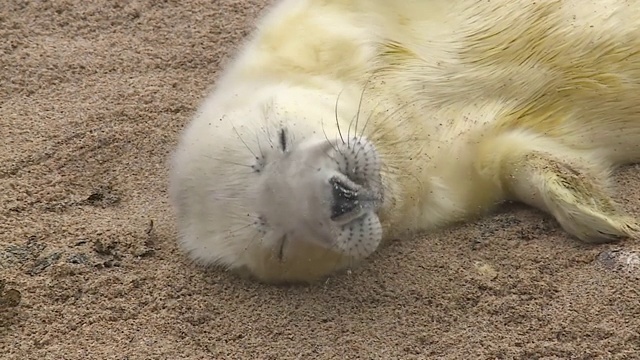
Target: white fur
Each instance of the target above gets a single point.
(466, 103)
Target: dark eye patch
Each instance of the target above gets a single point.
(283, 139)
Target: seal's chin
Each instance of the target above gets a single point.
(323, 193)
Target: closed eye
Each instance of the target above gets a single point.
(281, 249)
(283, 139)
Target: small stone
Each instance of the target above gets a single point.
(10, 298)
(485, 270)
(620, 260)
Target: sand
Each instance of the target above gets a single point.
(92, 100)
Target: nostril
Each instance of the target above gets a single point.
(345, 199)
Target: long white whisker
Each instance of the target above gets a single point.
(241, 139)
(336, 115)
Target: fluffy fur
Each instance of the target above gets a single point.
(343, 123)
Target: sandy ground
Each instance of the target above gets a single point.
(92, 98)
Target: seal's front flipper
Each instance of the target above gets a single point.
(579, 202)
(570, 185)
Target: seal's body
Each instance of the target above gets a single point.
(342, 123)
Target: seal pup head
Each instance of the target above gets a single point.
(273, 187)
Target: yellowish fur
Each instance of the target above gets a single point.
(469, 103)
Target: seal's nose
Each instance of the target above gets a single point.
(345, 199)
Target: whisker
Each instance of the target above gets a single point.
(241, 139)
(334, 159)
(364, 128)
(336, 115)
(364, 88)
(349, 131)
(327, 137)
(400, 173)
(232, 232)
(266, 129)
(259, 146)
(251, 241)
(373, 111)
(227, 161)
(267, 110)
(228, 198)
